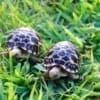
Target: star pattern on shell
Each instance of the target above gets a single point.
(25, 39)
(65, 55)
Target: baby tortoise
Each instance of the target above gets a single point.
(62, 61)
(23, 42)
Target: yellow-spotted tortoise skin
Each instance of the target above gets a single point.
(25, 39)
(63, 55)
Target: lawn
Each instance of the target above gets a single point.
(77, 21)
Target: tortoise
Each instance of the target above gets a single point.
(23, 42)
(62, 61)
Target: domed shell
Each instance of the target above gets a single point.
(63, 55)
(25, 39)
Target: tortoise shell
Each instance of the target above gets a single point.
(63, 55)
(24, 39)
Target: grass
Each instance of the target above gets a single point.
(55, 20)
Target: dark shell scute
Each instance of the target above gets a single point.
(22, 36)
(25, 40)
(33, 39)
(29, 47)
(19, 44)
(59, 62)
(55, 56)
(66, 58)
(61, 53)
(62, 62)
(70, 51)
(16, 39)
(56, 61)
(27, 36)
(74, 58)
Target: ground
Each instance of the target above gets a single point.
(77, 21)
